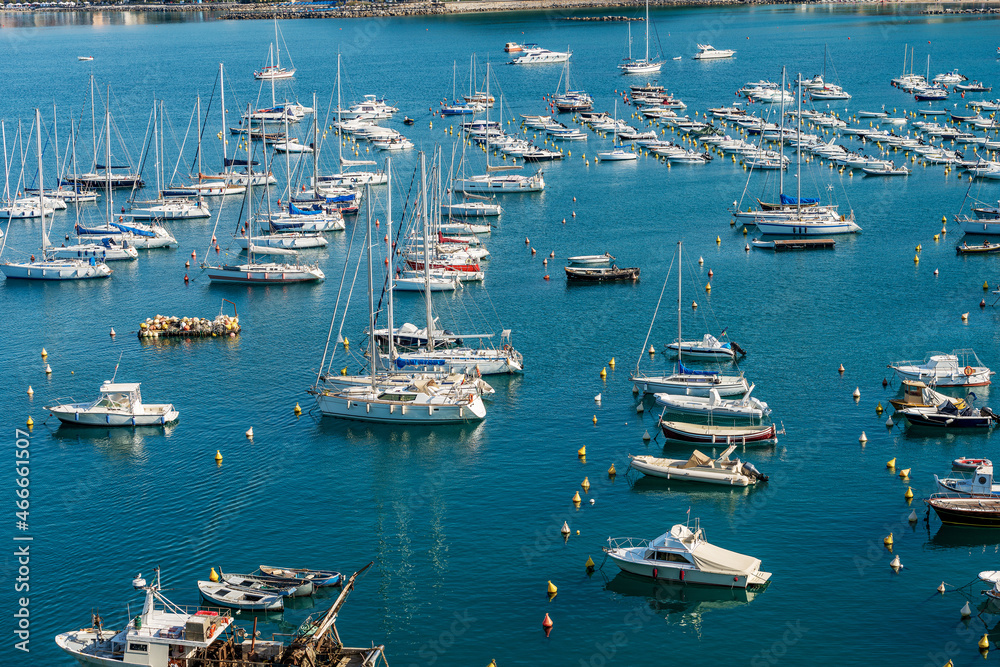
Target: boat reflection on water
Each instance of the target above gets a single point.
(681, 604)
(114, 441)
(963, 537)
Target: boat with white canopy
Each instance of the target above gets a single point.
(700, 468)
(961, 368)
(713, 405)
(119, 404)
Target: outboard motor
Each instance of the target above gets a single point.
(739, 350)
(986, 412)
(750, 471)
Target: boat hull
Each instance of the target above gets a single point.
(399, 412)
(264, 277)
(102, 418)
(689, 475)
(60, 270)
(741, 437)
(981, 512)
(806, 228)
(696, 386)
(665, 571)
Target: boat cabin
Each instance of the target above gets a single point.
(122, 396)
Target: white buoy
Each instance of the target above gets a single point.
(635, 390)
(250, 432)
(863, 438)
(966, 610)
(857, 393)
(913, 516)
(645, 436)
(112, 332)
(592, 501)
(48, 369)
(889, 422)
(941, 588)
(640, 408)
(597, 398)
(895, 564)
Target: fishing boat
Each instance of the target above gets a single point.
(710, 434)
(700, 468)
(290, 586)
(957, 510)
(165, 634)
(684, 380)
(916, 394)
(640, 65)
(320, 578)
(976, 483)
(601, 274)
(985, 248)
(747, 407)
(237, 597)
(961, 368)
(685, 555)
(119, 404)
(946, 415)
(709, 52)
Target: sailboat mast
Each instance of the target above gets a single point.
(391, 255)
(93, 119)
(55, 139)
(340, 129)
(6, 164)
(199, 137)
(315, 146)
(277, 49)
(680, 272)
(107, 145)
(249, 200)
(156, 145)
(372, 352)
(288, 159)
(222, 88)
(272, 82)
(76, 199)
(781, 140)
(427, 253)
(41, 181)
(647, 31)
(798, 152)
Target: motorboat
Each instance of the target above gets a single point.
(958, 510)
(976, 483)
(513, 47)
(916, 394)
(967, 464)
(685, 555)
(711, 434)
(747, 407)
(591, 260)
(984, 248)
(709, 347)
(949, 78)
(961, 368)
(886, 169)
(946, 415)
(536, 55)
(119, 404)
(709, 52)
(700, 468)
(239, 597)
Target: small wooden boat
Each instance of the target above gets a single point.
(766, 245)
(984, 249)
(604, 274)
(591, 260)
(237, 597)
(965, 464)
(288, 586)
(319, 578)
(966, 511)
(710, 434)
(407, 120)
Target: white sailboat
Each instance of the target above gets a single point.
(49, 268)
(422, 401)
(499, 183)
(642, 65)
(617, 154)
(684, 380)
(273, 70)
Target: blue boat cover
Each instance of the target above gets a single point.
(401, 363)
(341, 198)
(295, 210)
(687, 371)
(791, 201)
(134, 230)
(286, 225)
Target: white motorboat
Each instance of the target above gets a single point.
(976, 483)
(119, 404)
(747, 407)
(886, 169)
(685, 555)
(709, 347)
(709, 52)
(292, 145)
(591, 260)
(238, 597)
(700, 468)
(961, 368)
(536, 55)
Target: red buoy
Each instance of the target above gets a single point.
(547, 623)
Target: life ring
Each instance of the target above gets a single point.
(969, 370)
(506, 348)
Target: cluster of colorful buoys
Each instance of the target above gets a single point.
(161, 326)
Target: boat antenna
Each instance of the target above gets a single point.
(116, 366)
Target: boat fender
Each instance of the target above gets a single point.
(969, 370)
(843, 218)
(682, 575)
(655, 572)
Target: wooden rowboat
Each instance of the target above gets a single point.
(238, 597)
(318, 577)
(984, 249)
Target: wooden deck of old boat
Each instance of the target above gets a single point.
(803, 244)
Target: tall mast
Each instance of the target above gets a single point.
(391, 255)
(340, 129)
(629, 24)
(798, 152)
(76, 199)
(222, 88)
(427, 253)
(156, 145)
(315, 146)
(6, 163)
(488, 120)
(288, 159)
(372, 351)
(55, 140)
(680, 272)
(199, 135)
(781, 140)
(250, 195)
(107, 152)
(41, 182)
(647, 31)
(93, 119)
(277, 49)
(271, 55)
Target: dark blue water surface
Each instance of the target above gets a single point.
(463, 522)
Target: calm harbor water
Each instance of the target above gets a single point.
(462, 522)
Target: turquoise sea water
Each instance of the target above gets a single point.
(462, 522)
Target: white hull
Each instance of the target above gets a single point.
(500, 184)
(641, 68)
(97, 417)
(189, 212)
(691, 385)
(436, 284)
(694, 351)
(486, 362)
(806, 227)
(265, 275)
(400, 412)
(647, 466)
(471, 210)
(974, 226)
(665, 571)
(56, 270)
(97, 251)
(979, 378)
(288, 241)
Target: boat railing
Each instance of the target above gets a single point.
(627, 542)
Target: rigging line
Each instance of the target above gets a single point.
(180, 152)
(204, 124)
(147, 145)
(657, 310)
(347, 305)
(336, 307)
